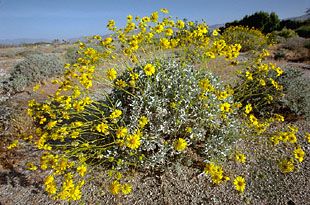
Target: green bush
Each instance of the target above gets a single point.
(249, 39)
(258, 85)
(34, 68)
(304, 31)
(71, 54)
(262, 21)
(280, 36)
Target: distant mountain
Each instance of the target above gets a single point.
(300, 18)
(215, 26)
(22, 41)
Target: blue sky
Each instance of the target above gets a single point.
(62, 19)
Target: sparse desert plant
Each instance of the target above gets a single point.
(34, 68)
(249, 39)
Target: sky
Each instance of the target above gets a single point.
(65, 19)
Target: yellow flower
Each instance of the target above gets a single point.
(102, 127)
(286, 165)
(149, 69)
(205, 85)
(154, 16)
(248, 108)
(13, 145)
(121, 132)
(275, 139)
(115, 187)
(81, 169)
(188, 130)
(107, 41)
(133, 141)
(146, 19)
(253, 120)
(180, 144)
(225, 107)
(36, 87)
(291, 137)
(31, 166)
(143, 121)
(50, 184)
(279, 71)
(239, 183)
(248, 75)
(210, 167)
(165, 43)
(165, 11)
(129, 18)
(180, 24)
(307, 136)
(159, 28)
(121, 83)
(217, 177)
(111, 74)
(215, 32)
(51, 124)
(126, 188)
(279, 118)
(134, 76)
(210, 55)
(115, 114)
(262, 82)
(222, 95)
(240, 157)
(169, 32)
(299, 154)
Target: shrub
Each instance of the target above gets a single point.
(304, 31)
(249, 39)
(33, 69)
(281, 36)
(262, 21)
(71, 54)
(174, 101)
(296, 90)
(258, 85)
(142, 102)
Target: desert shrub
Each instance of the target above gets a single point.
(281, 36)
(279, 54)
(33, 69)
(307, 44)
(173, 100)
(5, 117)
(249, 39)
(27, 53)
(294, 43)
(258, 85)
(71, 54)
(286, 33)
(141, 101)
(296, 92)
(304, 31)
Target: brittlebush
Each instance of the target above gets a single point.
(135, 100)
